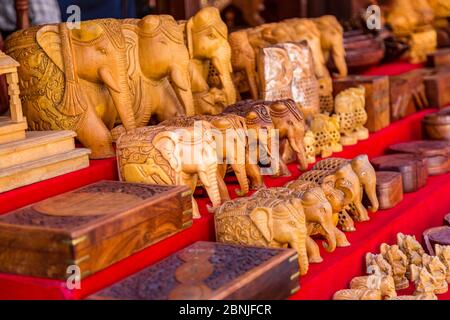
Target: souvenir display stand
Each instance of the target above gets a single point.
(411, 216)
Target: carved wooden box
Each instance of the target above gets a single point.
(389, 189)
(437, 86)
(439, 58)
(91, 227)
(402, 103)
(212, 271)
(436, 153)
(437, 235)
(437, 124)
(377, 98)
(413, 169)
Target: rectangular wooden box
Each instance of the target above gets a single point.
(377, 98)
(389, 189)
(439, 58)
(413, 169)
(212, 271)
(91, 227)
(437, 86)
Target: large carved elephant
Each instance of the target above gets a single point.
(170, 155)
(264, 222)
(75, 80)
(231, 139)
(332, 42)
(158, 66)
(210, 54)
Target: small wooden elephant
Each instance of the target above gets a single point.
(319, 217)
(443, 252)
(171, 156)
(411, 248)
(264, 222)
(399, 262)
(438, 270)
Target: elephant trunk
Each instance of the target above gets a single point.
(372, 195)
(339, 59)
(120, 93)
(299, 244)
(209, 180)
(330, 244)
(300, 152)
(222, 62)
(241, 174)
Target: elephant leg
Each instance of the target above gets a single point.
(93, 134)
(195, 212)
(361, 211)
(312, 248)
(255, 177)
(168, 106)
(250, 71)
(341, 239)
(346, 222)
(223, 190)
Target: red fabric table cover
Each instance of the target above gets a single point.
(417, 212)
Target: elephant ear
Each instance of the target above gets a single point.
(262, 218)
(167, 142)
(190, 41)
(49, 40)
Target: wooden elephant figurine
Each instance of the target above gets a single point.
(231, 145)
(377, 264)
(345, 112)
(338, 200)
(362, 167)
(438, 270)
(326, 134)
(158, 67)
(263, 139)
(384, 283)
(171, 156)
(243, 61)
(332, 41)
(263, 222)
(319, 218)
(424, 282)
(210, 61)
(67, 83)
(358, 294)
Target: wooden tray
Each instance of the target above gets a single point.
(212, 271)
(389, 189)
(436, 153)
(438, 235)
(412, 167)
(91, 228)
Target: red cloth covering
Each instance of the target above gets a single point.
(417, 212)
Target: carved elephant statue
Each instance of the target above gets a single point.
(210, 61)
(261, 139)
(263, 222)
(411, 248)
(158, 66)
(332, 42)
(243, 59)
(75, 80)
(362, 167)
(319, 217)
(231, 139)
(170, 155)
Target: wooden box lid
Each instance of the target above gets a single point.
(90, 228)
(424, 148)
(438, 235)
(387, 179)
(398, 162)
(213, 271)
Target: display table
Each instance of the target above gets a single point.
(418, 211)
